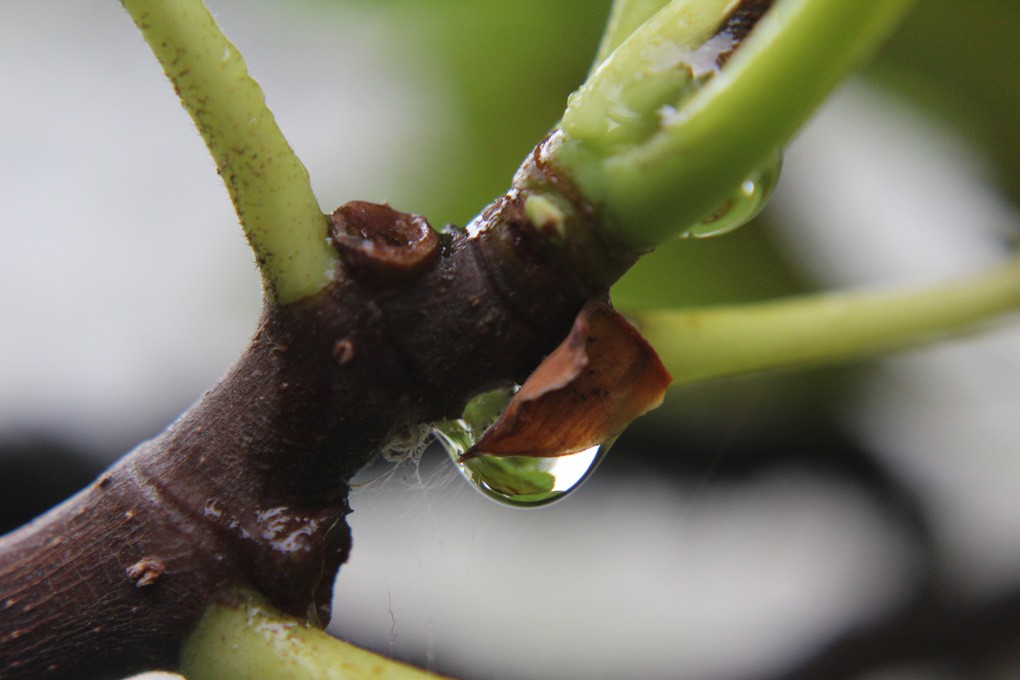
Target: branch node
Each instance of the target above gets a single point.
(378, 243)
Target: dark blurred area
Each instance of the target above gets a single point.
(37, 473)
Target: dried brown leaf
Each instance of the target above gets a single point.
(598, 380)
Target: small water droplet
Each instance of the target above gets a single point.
(744, 205)
(519, 481)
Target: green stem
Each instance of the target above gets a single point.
(249, 640)
(267, 183)
(624, 18)
(689, 155)
(618, 107)
(708, 343)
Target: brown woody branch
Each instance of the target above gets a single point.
(249, 487)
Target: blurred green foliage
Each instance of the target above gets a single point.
(509, 67)
(962, 61)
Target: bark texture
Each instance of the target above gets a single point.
(249, 487)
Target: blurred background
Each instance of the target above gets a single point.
(854, 522)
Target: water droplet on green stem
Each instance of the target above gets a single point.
(744, 205)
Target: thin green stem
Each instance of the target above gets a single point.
(249, 640)
(267, 183)
(714, 342)
(618, 107)
(624, 18)
(677, 161)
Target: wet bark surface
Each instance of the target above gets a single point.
(249, 486)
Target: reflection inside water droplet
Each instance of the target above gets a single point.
(744, 205)
(519, 481)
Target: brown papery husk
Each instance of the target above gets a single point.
(598, 380)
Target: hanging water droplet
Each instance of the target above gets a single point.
(744, 205)
(520, 481)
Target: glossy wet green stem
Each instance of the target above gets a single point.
(690, 157)
(249, 640)
(625, 17)
(715, 342)
(267, 183)
(619, 106)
